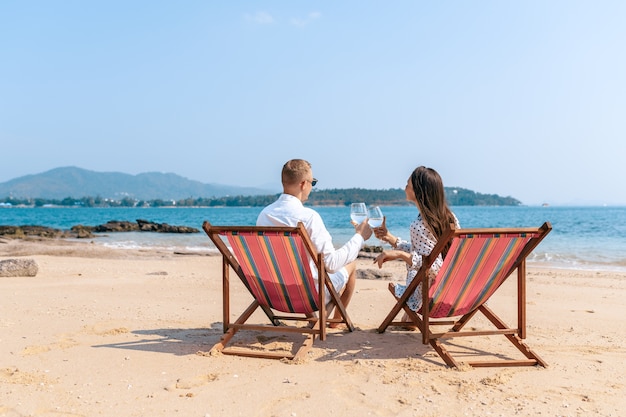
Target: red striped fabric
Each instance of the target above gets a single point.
(276, 267)
(475, 266)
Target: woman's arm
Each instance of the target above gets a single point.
(392, 255)
(383, 234)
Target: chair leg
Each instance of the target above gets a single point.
(416, 323)
(336, 302)
(304, 348)
(443, 353)
(514, 339)
(393, 313)
(460, 323)
(230, 331)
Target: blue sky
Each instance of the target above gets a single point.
(517, 98)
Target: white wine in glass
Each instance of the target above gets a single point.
(358, 212)
(375, 217)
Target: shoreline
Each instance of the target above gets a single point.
(597, 245)
(93, 247)
(104, 331)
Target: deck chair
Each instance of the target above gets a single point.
(477, 263)
(274, 265)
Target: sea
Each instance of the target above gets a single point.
(582, 237)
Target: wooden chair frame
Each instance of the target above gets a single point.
(426, 322)
(316, 324)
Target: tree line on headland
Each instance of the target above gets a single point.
(330, 197)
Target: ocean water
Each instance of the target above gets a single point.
(582, 237)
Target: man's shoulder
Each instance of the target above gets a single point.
(309, 212)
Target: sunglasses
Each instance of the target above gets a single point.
(313, 183)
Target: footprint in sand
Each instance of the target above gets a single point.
(15, 376)
(64, 342)
(105, 331)
(188, 383)
(497, 379)
(35, 350)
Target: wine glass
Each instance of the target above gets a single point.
(375, 217)
(358, 212)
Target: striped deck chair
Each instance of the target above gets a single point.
(477, 263)
(274, 265)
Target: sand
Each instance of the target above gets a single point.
(102, 332)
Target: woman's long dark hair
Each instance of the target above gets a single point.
(431, 201)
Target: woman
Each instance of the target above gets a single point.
(424, 188)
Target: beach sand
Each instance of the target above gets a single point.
(104, 332)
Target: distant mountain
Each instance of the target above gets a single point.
(76, 182)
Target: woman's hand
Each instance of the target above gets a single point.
(392, 255)
(387, 255)
(381, 230)
(382, 233)
(380, 260)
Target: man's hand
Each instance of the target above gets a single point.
(364, 229)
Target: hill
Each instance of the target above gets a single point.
(76, 182)
(456, 196)
(71, 186)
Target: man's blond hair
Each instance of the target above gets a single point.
(295, 171)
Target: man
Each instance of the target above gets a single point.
(288, 210)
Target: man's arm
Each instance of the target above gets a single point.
(335, 259)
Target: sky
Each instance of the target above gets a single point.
(518, 98)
